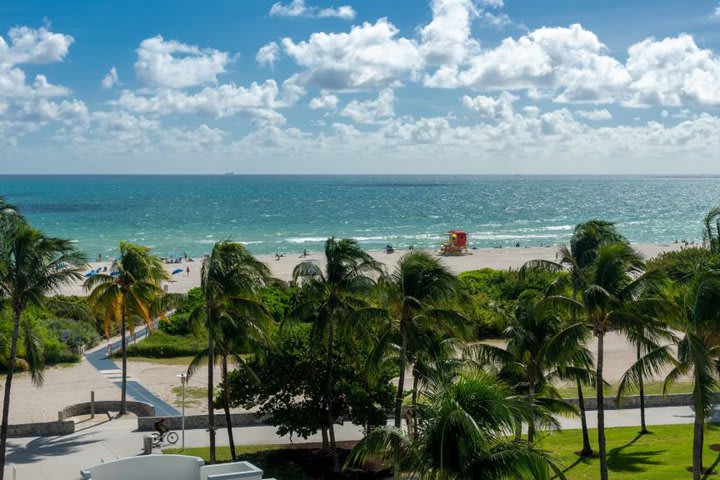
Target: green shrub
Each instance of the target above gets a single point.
(72, 333)
(278, 300)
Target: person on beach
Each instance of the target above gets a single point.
(187, 271)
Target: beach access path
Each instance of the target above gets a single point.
(98, 358)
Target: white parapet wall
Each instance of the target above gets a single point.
(170, 467)
(231, 471)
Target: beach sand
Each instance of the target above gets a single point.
(496, 258)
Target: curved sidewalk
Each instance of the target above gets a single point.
(99, 359)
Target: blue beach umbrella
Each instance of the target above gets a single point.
(90, 273)
(177, 270)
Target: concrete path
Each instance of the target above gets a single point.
(99, 359)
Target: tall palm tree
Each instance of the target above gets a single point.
(461, 434)
(328, 297)
(698, 356)
(611, 284)
(587, 238)
(415, 296)
(129, 292)
(32, 265)
(244, 335)
(542, 347)
(647, 331)
(230, 278)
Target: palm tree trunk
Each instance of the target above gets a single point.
(226, 406)
(601, 406)
(587, 448)
(414, 402)
(325, 443)
(531, 420)
(401, 379)
(641, 384)
(211, 385)
(329, 399)
(697, 444)
(123, 343)
(6, 393)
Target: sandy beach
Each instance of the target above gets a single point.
(282, 268)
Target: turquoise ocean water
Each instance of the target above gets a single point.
(187, 214)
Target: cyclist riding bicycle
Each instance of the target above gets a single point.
(160, 427)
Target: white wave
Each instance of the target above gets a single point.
(305, 239)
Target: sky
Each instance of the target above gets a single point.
(350, 86)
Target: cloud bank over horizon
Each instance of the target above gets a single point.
(470, 89)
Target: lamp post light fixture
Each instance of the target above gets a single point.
(183, 382)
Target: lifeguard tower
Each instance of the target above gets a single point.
(456, 244)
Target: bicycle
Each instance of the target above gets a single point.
(169, 437)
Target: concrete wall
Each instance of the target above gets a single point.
(674, 400)
(146, 424)
(149, 467)
(41, 429)
(141, 409)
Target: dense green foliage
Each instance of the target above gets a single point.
(292, 399)
(493, 295)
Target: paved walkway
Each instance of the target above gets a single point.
(99, 359)
(61, 458)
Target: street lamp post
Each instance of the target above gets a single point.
(183, 381)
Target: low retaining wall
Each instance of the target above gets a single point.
(651, 401)
(141, 409)
(200, 421)
(41, 429)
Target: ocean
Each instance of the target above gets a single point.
(178, 215)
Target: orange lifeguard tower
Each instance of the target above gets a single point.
(456, 244)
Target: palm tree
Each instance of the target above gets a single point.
(587, 238)
(610, 285)
(230, 278)
(131, 291)
(328, 297)
(711, 232)
(415, 296)
(646, 330)
(461, 434)
(541, 348)
(32, 265)
(698, 356)
(243, 335)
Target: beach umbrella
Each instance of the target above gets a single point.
(177, 270)
(90, 273)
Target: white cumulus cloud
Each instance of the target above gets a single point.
(110, 79)
(325, 101)
(171, 64)
(368, 57)
(371, 111)
(297, 8)
(603, 114)
(501, 107)
(268, 54)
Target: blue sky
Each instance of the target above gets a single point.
(438, 86)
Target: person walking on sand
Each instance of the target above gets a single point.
(187, 271)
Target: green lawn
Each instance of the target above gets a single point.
(651, 388)
(663, 455)
(272, 459)
(194, 396)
